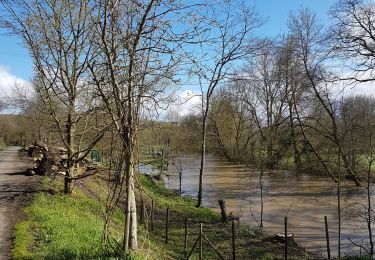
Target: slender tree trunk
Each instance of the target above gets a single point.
(106, 232)
(127, 206)
(180, 175)
(261, 196)
(297, 157)
(130, 231)
(203, 158)
(133, 236)
(221, 144)
(339, 211)
(369, 209)
(270, 162)
(70, 141)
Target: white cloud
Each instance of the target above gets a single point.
(184, 102)
(366, 88)
(8, 82)
(358, 89)
(188, 102)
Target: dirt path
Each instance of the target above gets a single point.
(16, 190)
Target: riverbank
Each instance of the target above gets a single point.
(59, 226)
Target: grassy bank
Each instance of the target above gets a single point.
(70, 227)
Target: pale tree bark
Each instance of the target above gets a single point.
(136, 53)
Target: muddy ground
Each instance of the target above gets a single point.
(16, 191)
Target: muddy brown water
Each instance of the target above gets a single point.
(304, 199)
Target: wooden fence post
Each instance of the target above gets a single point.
(223, 210)
(186, 235)
(200, 242)
(327, 237)
(166, 225)
(286, 237)
(233, 241)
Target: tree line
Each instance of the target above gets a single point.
(102, 69)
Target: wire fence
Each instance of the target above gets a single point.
(190, 236)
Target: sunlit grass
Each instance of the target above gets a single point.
(70, 227)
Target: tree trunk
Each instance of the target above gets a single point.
(297, 157)
(70, 142)
(339, 209)
(67, 185)
(130, 232)
(133, 236)
(261, 196)
(369, 209)
(203, 158)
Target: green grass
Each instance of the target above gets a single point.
(70, 227)
(150, 160)
(60, 227)
(166, 198)
(24, 240)
(250, 242)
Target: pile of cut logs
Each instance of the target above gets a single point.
(51, 160)
(47, 160)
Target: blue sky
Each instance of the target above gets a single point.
(276, 12)
(15, 61)
(14, 56)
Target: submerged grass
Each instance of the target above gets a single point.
(71, 227)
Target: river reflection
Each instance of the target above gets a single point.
(304, 199)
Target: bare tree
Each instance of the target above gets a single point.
(137, 50)
(352, 36)
(229, 40)
(357, 113)
(57, 34)
(2, 105)
(266, 100)
(231, 123)
(309, 42)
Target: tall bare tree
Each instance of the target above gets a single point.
(266, 100)
(352, 36)
(137, 50)
(57, 34)
(312, 51)
(229, 39)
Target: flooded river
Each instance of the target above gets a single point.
(304, 199)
